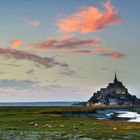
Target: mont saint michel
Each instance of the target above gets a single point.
(115, 94)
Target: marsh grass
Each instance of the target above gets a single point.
(21, 120)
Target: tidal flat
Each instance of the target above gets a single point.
(51, 123)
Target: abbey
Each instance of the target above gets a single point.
(115, 94)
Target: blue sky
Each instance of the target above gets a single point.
(65, 50)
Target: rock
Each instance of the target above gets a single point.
(81, 123)
(75, 127)
(114, 128)
(61, 126)
(32, 123)
(35, 124)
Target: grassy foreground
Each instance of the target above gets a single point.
(49, 123)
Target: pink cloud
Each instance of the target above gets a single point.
(16, 43)
(114, 54)
(108, 52)
(21, 55)
(97, 50)
(34, 23)
(90, 19)
(74, 45)
(66, 43)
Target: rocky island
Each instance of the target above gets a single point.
(115, 94)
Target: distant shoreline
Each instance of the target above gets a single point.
(53, 103)
(58, 103)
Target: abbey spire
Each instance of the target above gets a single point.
(115, 79)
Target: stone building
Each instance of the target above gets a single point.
(115, 94)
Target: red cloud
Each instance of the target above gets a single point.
(114, 54)
(16, 43)
(89, 19)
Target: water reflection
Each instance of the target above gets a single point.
(131, 115)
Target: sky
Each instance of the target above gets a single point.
(61, 50)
